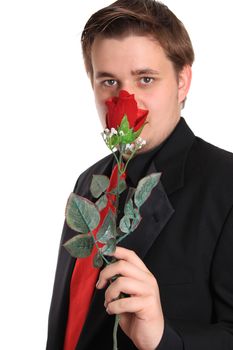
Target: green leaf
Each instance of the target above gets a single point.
(80, 246)
(125, 225)
(122, 186)
(113, 141)
(102, 202)
(128, 137)
(144, 188)
(99, 184)
(129, 209)
(81, 214)
(136, 220)
(110, 247)
(107, 230)
(125, 127)
(126, 134)
(98, 261)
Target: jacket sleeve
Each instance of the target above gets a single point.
(188, 335)
(170, 339)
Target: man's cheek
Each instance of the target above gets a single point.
(102, 115)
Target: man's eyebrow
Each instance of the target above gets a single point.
(104, 75)
(142, 71)
(145, 71)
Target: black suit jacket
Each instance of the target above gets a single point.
(185, 239)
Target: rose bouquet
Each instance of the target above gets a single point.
(96, 221)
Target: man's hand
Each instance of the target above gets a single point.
(141, 316)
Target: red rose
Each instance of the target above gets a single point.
(121, 105)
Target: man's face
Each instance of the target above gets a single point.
(139, 65)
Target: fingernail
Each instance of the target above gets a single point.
(97, 283)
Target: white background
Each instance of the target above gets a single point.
(49, 134)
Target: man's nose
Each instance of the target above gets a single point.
(129, 87)
(132, 90)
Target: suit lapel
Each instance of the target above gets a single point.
(155, 212)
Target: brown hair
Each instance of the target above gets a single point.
(140, 17)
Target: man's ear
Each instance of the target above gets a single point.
(184, 81)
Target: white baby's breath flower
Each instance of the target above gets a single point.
(106, 133)
(140, 142)
(130, 147)
(113, 131)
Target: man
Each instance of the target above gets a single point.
(177, 267)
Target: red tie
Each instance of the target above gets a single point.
(84, 279)
(82, 286)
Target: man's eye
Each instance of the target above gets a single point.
(146, 80)
(110, 82)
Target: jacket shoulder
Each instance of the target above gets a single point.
(213, 155)
(215, 163)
